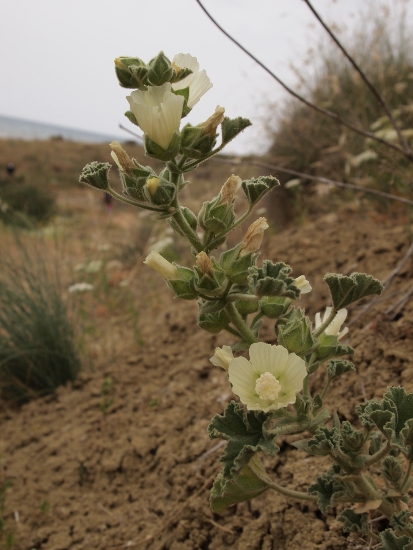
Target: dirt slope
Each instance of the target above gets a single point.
(137, 475)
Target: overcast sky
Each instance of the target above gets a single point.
(56, 56)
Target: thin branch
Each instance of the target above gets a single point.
(325, 112)
(316, 178)
(365, 79)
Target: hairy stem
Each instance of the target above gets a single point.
(290, 493)
(247, 335)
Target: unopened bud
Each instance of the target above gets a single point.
(121, 157)
(229, 189)
(204, 263)
(152, 184)
(162, 266)
(211, 124)
(253, 237)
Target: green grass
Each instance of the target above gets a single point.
(37, 344)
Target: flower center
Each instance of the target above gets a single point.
(267, 387)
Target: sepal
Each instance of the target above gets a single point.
(294, 332)
(154, 150)
(274, 307)
(131, 72)
(160, 70)
(213, 322)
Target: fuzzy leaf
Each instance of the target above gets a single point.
(347, 290)
(390, 541)
(232, 127)
(246, 433)
(354, 523)
(327, 490)
(255, 189)
(337, 367)
(273, 280)
(212, 306)
(249, 483)
(322, 443)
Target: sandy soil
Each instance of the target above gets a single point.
(132, 469)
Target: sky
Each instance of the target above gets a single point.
(56, 56)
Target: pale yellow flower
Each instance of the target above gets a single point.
(158, 112)
(302, 284)
(222, 357)
(270, 380)
(230, 188)
(162, 266)
(334, 327)
(197, 82)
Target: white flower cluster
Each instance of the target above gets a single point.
(158, 110)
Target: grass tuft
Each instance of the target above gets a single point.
(37, 344)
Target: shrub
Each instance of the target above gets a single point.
(37, 346)
(21, 198)
(307, 141)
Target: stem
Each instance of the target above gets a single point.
(406, 476)
(325, 324)
(381, 453)
(306, 388)
(256, 319)
(290, 493)
(323, 393)
(247, 335)
(134, 203)
(193, 164)
(233, 331)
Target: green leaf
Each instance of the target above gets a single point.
(273, 280)
(213, 322)
(392, 470)
(232, 127)
(327, 489)
(354, 523)
(390, 541)
(96, 175)
(322, 443)
(337, 367)
(247, 434)
(249, 483)
(347, 290)
(295, 334)
(213, 306)
(255, 189)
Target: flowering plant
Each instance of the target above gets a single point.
(234, 294)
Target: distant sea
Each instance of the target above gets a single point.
(17, 128)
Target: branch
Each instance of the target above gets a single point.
(366, 80)
(316, 178)
(325, 112)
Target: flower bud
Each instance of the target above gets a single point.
(162, 266)
(204, 264)
(229, 189)
(121, 157)
(253, 237)
(131, 72)
(210, 126)
(222, 357)
(152, 184)
(160, 70)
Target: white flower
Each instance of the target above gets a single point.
(302, 284)
(270, 380)
(197, 82)
(94, 266)
(162, 266)
(80, 287)
(334, 327)
(222, 357)
(158, 112)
